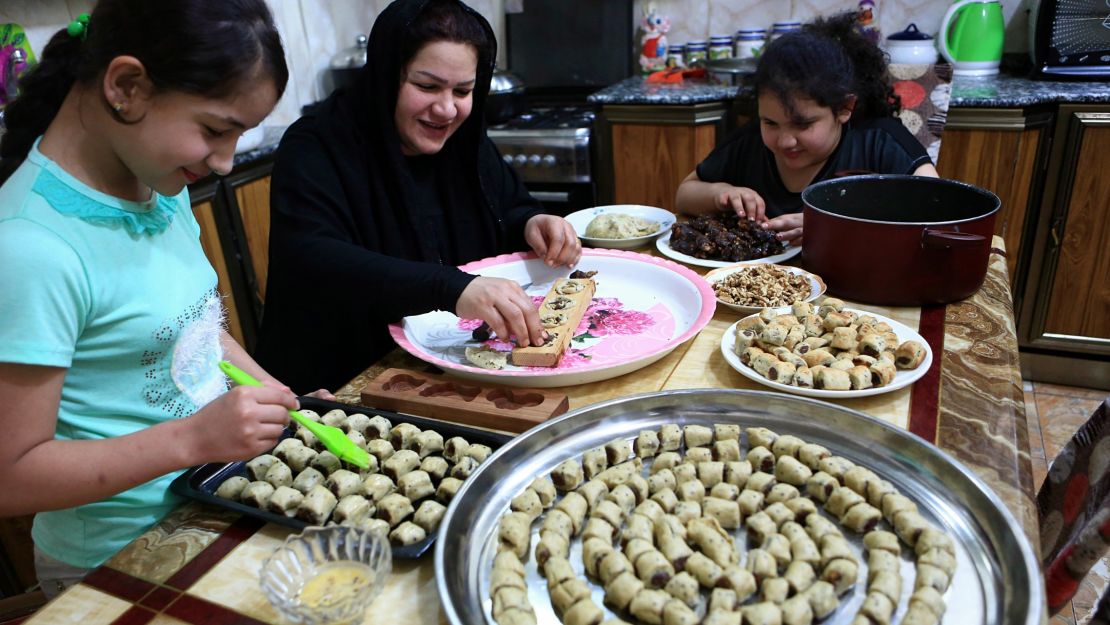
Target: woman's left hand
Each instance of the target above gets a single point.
(554, 240)
(788, 228)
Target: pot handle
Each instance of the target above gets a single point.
(947, 239)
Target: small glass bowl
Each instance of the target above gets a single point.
(297, 567)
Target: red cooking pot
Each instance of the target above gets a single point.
(898, 240)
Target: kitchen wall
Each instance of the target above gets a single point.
(314, 30)
(698, 19)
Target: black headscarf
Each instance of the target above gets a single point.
(348, 253)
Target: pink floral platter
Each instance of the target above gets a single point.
(644, 307)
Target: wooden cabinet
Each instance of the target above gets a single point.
(647, 150)
(1064, 324)
(214, 250)
(1000, 150)
(234, 216)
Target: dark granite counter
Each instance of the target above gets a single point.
(1015, 91)
(1001, 91)
(270, 139)
(637, 90)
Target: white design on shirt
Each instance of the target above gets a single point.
(197, 354)
(192, 378)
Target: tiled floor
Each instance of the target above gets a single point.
(1054, 413)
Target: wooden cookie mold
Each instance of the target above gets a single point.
(560, 312)
(458, 401)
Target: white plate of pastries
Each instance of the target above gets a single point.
(826, 351)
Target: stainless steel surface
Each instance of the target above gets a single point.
(997, 579)
(546, 155)
(505, 82)
(730, 71)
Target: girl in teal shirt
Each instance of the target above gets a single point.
(112, 325)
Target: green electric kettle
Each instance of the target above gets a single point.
(971, 37)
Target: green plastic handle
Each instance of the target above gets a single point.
(242, 378)
(333, 438)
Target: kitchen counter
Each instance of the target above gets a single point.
(1007, 90)
(200, 564)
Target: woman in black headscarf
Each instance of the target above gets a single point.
(379, 194)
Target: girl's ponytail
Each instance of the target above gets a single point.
(42, 90)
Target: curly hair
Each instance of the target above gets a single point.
(828, 61)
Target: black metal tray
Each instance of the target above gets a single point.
(200, 483)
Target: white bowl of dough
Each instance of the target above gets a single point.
(621, 226)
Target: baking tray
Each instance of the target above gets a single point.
(201, 482)
(997, 578)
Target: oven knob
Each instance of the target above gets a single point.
(534, 160)
(549, 161)
(519, 160)
(508, 158)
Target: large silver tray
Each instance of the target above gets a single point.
(997, 579)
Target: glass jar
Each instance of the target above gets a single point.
(697, 52)
(676, 55)
(720, 47)
(779, 29)
(749, 43)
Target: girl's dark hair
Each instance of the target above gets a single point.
(203, 47)
(442, 20)
(828, 60)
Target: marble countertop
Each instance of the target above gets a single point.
(1008, 90)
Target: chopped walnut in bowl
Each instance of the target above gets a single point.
(764, 285)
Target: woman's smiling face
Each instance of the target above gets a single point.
(436, 96)
(804, 137)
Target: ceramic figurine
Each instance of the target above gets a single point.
(869, 21)
(15, 57)
(653, 41)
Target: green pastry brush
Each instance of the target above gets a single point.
(333, 438)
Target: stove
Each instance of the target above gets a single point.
(550, 149)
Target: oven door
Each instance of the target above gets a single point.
(563, 198)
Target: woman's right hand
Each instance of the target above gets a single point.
(745, 202)
(505, 306)
(241, 423)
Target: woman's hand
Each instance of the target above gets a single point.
(554, 240)
(242, 423)
(322, 393)
(743, 201)
(505, 306)
(788, 227)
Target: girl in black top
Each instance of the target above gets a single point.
(826, 106)
(379, 194)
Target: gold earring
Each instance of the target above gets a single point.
(117, 107)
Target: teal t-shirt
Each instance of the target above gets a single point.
(121, 295)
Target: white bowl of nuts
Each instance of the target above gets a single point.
(750, 287)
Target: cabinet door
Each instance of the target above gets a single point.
(1002, 158)
(651, 161)
(253, 199)
(1073, 290)
(649, 150)
(210, 241)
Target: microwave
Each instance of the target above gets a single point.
(1071, 38)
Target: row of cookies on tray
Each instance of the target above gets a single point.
(659, 574)
(403, 493)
